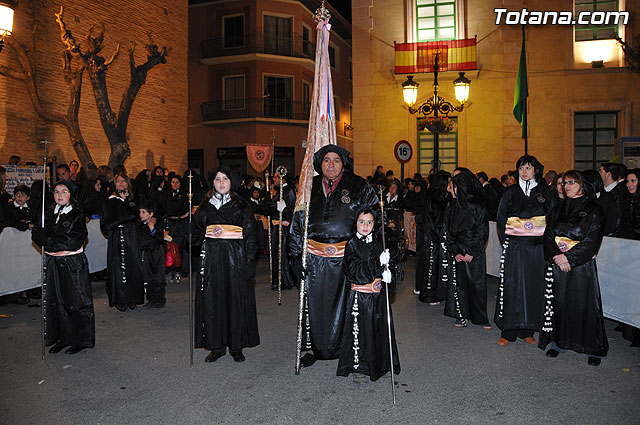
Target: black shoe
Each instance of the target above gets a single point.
(74, 349)
(237, 356)
(594, 361)
(213, 356)
(121, 307)
(57, 347)
(307, 360)
(132, 306)
(552, 353)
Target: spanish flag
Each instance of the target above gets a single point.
(454, 55)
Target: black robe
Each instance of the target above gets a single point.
(153, 258)
(225, 303)
(520, 297)
(468, 232)
(289, 197)
(70, 318)
(176, 204)
(331, 220)
(573, 310)
(124, 275)
(365, 344)
(432, 259)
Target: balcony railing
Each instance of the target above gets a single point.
(454, 55)
(254, 108)
(258, 43)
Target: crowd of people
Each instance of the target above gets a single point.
(550, 228)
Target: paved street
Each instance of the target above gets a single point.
(139, 373)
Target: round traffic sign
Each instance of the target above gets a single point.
(403, 151)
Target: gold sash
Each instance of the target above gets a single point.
(223, 231)
(565, 244)
(326, 249)
(533, 226)
(370, 288)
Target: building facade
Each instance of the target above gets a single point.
(251, 73)
(157, 128)
(581, 94)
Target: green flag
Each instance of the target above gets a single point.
(522, 90)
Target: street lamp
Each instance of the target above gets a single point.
(6, 19)
(436, 105)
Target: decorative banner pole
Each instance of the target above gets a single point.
(282, 171)
(386, 290)
(266, 179)
(43, 280)
(191, 330)
(322, 131)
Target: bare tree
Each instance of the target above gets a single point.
(632, 55)
(115, 126)
(73, 76)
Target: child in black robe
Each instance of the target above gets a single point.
(152, 255)
(18, 213)
(365, 343)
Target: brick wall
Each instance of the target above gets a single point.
(158, 122)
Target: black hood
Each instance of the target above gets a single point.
(235, 180)
(347, 163)
(468, 187)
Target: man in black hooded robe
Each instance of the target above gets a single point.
(336, 195)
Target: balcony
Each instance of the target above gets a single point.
(294, 47)
(261, 108)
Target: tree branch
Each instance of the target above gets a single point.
(8, 72)
(114, 56)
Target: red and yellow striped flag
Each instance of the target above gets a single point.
(454, 55)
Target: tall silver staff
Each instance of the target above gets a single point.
(266, 179)
(191, 331)
(43, 280)
(386, 267)
(282, 171)
(301, 301)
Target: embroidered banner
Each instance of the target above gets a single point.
(259, 156)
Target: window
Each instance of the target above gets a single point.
(233, 30)
(350, 114)
(350, 69)
(233, 92)
(334, 57)
(336, 107)
(436, 20)
(448, 147)
(594, 135)
(277, 35)
(307, 45)
(595, 32)
(277, 97)
(306, 97)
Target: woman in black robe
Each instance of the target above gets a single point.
(573, 311)
(521, 222)
(176, 214)
(365, 343)
(273, 206)
(92, 198)
(70, 319)
(468, 232)
(225, 304)
(432, 260)
(119, 221)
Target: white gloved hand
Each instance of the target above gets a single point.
(384, 257)
(386, 276)
(281, 205)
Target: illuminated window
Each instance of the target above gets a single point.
(596, 32)
(595, 133)
(435, 20)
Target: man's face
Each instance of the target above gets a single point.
(74, 166)
(276, 179)
(606, 176)
(331, 166)
(63, 174)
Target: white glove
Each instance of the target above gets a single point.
(386, 276)
(384, 257)
(281, 205)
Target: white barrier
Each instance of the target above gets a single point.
(20, 258)
(618, 270)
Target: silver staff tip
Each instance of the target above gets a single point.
(322, 14)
